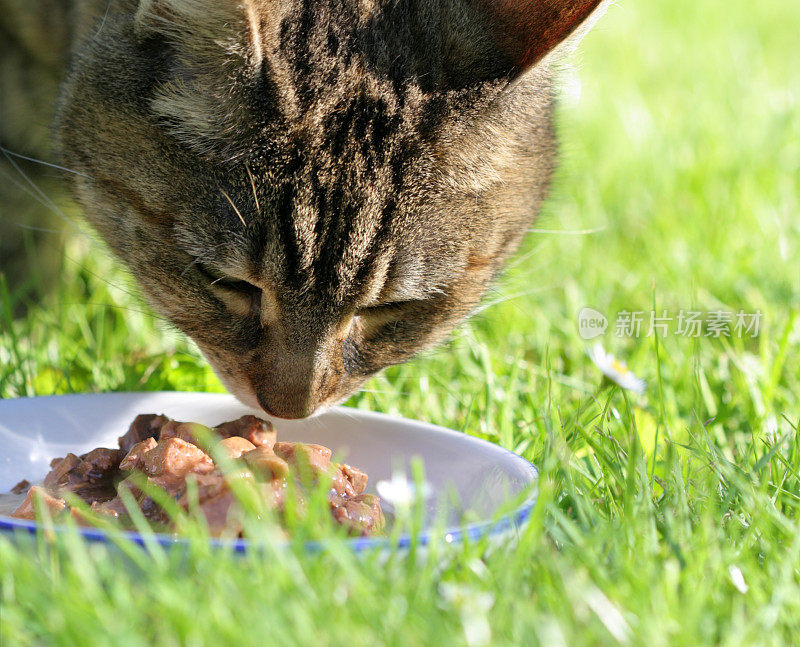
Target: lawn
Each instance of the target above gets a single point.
(667, 518)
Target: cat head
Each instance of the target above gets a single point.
(314, 190)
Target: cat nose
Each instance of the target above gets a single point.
(292, 382)
(289, 391)
(287, 406)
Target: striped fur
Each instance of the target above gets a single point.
(311, 189)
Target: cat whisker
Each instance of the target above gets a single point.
(103, 279)
(384, 392)
(238, 213)
(7, 152)
(43, 230)
(568, 232)
(114, 306)
(557, 232)
(524, 258)
(253, 185)
(189, 266)
(24, 188)
(317, 422)
(49, 205)
(509, 297)
(350, 416)
(201, 257)
(103, 22)
(39, 195)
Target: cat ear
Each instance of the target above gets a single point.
(528, 30)
(216, 70)
(238, 26)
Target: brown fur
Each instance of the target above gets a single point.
(312, 189)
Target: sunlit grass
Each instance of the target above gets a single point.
(670, 518)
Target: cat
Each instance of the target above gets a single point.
(312, 190)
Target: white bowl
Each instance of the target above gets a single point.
(470, 479)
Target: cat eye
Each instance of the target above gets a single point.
(215, 279)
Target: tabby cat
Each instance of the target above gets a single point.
(312, 190)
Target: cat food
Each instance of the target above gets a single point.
(170, 454)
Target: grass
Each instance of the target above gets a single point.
(670, 518)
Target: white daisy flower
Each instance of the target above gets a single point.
(401, 492)
(616, 370)
(737, 577)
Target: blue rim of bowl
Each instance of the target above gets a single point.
(494, 528)
(514, 520)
